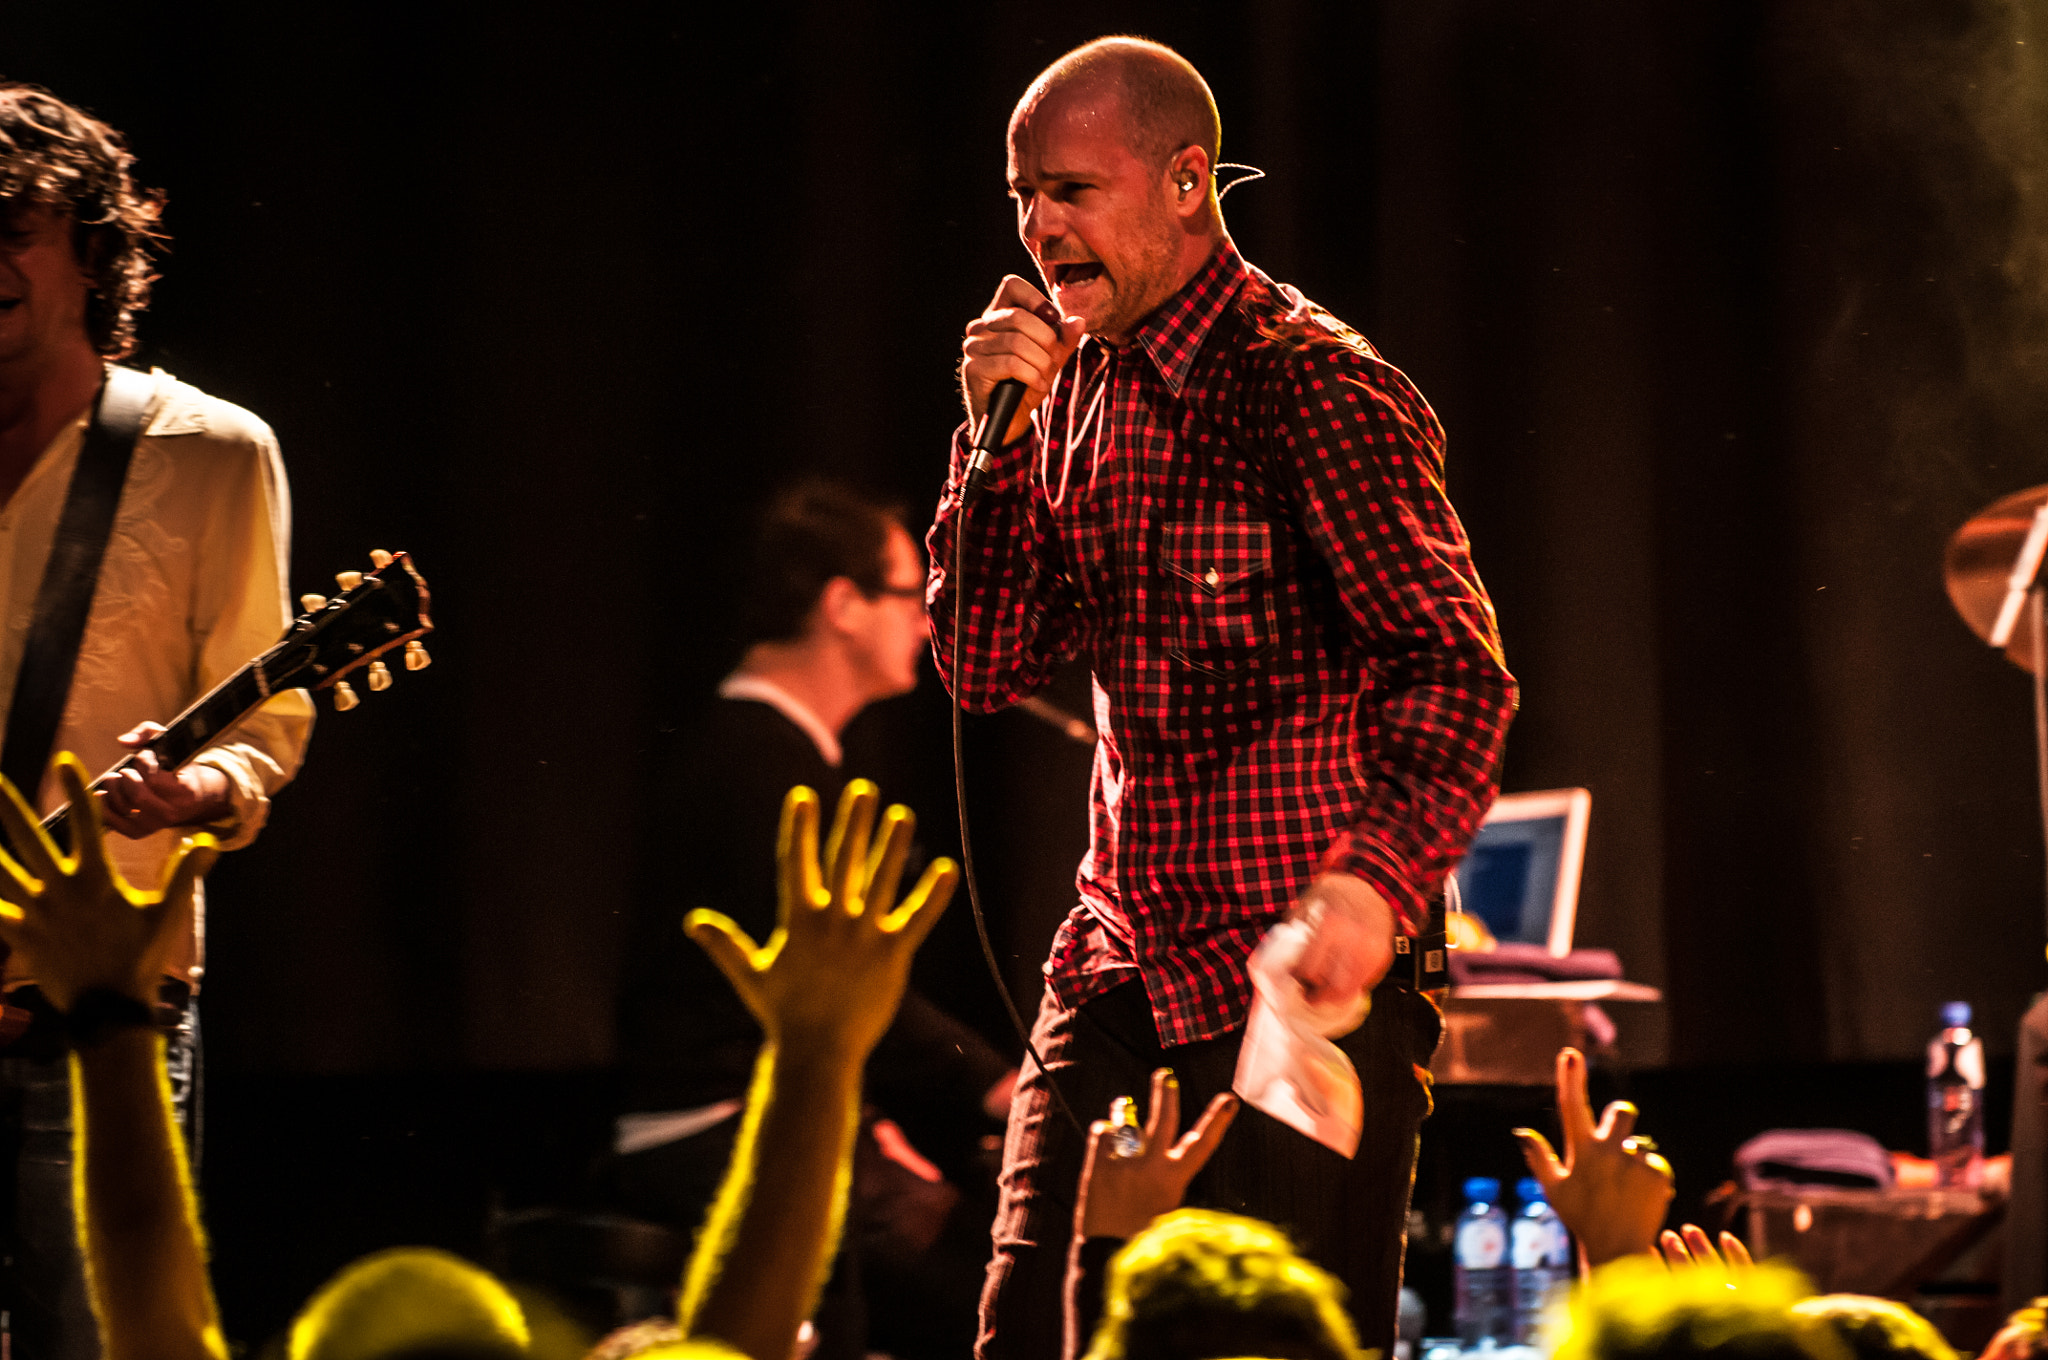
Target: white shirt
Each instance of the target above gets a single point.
(192, 587)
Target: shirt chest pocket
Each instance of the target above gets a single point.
(1218, 578)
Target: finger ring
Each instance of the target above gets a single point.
(1641, 1142)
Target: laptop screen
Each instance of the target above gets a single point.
(1521, 876)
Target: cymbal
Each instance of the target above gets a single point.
(1979, 562)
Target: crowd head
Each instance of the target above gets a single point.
(412, 1303)
(1199, 1283)
(1877, 1329)
(1636, 1308)
(2024, 1336)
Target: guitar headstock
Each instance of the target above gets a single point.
(374, 612)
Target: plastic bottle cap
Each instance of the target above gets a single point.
(1482, 1190)
(1956, 1015)
(1529, 1190)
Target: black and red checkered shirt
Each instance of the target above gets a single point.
(1238, 519)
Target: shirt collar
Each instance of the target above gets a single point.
(1174, 333)
(740, 685)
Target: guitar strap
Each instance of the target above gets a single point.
(64, 598)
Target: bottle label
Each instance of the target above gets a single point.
(1970, 1064)
(1953, 1108)
(1481, 1244)
(1540, 1242)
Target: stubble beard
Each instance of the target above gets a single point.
(1148, 281)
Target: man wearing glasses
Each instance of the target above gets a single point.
(834, 621)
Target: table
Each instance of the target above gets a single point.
(1508, 1033)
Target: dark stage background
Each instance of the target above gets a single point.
(1733, 311)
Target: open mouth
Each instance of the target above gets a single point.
(1081, 271)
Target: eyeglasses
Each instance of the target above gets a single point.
(897, 592)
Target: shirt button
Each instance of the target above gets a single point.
(1212, 578)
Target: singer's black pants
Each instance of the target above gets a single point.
(1349, 1216)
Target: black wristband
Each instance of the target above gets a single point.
(98, 1012)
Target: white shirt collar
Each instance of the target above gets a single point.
(740, 685)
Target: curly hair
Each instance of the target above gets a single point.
(56, 156)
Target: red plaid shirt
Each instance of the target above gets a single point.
(1239, 520)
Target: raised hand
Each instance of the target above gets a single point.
(1119, 1196)
(824, 988)
(1690, 1246)
(834, 970)
(1611, 1189)
(1023, 336)
(78, 925)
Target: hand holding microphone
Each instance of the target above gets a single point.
(1020, 338)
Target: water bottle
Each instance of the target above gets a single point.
(1955, 1100)
(1540, 1250)
(1482, 1309)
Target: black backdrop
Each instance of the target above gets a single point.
(1733, 312)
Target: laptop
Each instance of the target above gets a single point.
(1521, 876)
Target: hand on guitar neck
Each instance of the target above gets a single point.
(145, 798)
(380, 612)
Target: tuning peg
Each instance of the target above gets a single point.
(379, 558)
(380, 676)
(345, 697)
(309, 603)
(348, 580)
(416, 658)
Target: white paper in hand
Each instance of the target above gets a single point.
(1288, 1067)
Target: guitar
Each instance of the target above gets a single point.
(376, 612)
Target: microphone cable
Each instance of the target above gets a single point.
(1002, 409)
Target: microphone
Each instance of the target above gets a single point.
(1002, 409)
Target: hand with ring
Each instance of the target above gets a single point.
(1612, 1186)
(1119, 1195)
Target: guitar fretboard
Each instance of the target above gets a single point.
(378, 613)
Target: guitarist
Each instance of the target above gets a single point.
(188, 585)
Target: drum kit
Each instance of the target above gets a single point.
(1992, 569)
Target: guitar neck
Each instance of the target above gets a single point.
(376, 613)
(191, 732)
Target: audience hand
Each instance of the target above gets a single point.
(1690, 1246)
(80, 927)
(824, 988)
(1120, 1196)
(1611, 1189)
(834, 970)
